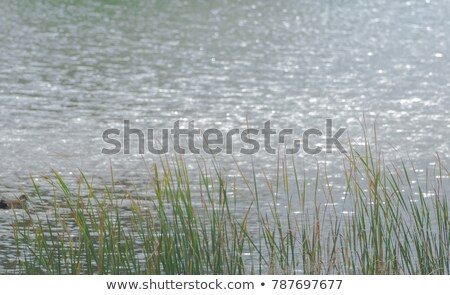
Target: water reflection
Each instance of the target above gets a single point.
(72, 69)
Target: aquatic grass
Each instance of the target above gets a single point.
(394, 222)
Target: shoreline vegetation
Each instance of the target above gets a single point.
(394, 223)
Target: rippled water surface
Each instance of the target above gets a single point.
(71, 69)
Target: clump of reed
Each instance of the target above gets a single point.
(393, 223)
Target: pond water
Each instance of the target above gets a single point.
(72, 69)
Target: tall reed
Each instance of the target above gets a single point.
(394, 223)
